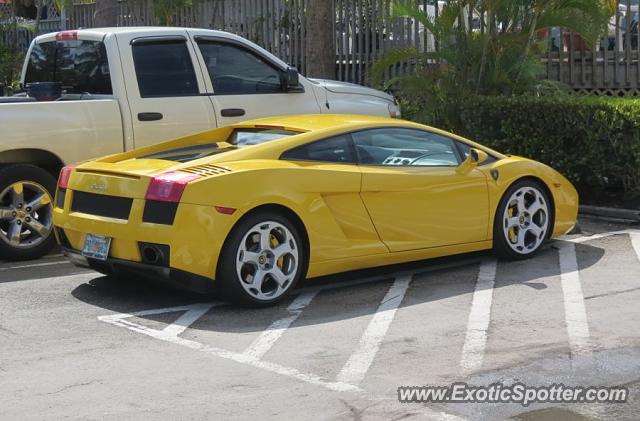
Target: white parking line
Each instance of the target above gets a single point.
(585, 238)
(265, 341)
(187, 319)
(64, 262)
(635, 241)
(479, 318)
(358, 364)
(574, 307)
(121, 321)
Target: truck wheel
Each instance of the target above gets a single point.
(26, 212)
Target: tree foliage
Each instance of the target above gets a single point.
(165, 10)
(499, 55)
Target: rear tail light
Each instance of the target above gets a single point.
(169, 186)
(65, 174)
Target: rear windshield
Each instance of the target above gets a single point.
(81, 66)
(238, 138)
(256, 136)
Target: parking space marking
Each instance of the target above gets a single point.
(635, 241)
(63, 262)
(358, 364)
(574, 307)
(265, 341)
(120, 320)
(585, 238)
(187, 319)
(479, 318)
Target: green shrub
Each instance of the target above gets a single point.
(593, 141)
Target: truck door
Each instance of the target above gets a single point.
(247, 84)
(164, 90)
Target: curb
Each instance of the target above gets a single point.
(629, 215)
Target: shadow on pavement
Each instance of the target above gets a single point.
(340, 296)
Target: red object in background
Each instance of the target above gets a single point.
(578, 44)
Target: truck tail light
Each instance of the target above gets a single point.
(67, 36)
(169, 186)
(65, 174)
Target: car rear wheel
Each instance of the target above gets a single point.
(26, 212)
(262, 260)
(522, 222)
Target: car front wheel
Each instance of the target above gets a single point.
(262, 260)
(522, 221)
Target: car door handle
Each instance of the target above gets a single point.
(232, 112)
(150, 116)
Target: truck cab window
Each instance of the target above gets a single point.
(238, 71)
(81, 66)
(164, 69)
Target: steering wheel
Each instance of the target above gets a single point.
(265, 82)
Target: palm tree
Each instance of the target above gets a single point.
(165, 10)
(500, 57)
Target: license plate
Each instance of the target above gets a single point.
(96, 247)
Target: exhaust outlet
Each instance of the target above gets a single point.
(154, 254)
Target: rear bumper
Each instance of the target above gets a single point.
(161, 275)
(194, 239)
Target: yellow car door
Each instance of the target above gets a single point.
(415, 192)
(338, 223)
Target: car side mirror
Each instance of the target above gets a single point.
(291, 79)
(477, 156)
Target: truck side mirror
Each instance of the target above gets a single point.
(291, 79)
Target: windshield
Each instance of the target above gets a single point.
(81, 66)
(238, 138)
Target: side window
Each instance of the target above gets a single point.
(236, 71)
(399, 146)
(335, 149)
(464, 151)
(164, 69)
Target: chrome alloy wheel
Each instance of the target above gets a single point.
(26, 214)
(526, 220)
(267, 260)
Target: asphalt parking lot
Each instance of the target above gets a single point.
(77, 345)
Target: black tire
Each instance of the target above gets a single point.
(227, 280)
(9, 175)
(501, 244)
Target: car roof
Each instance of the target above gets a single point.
(314, 122)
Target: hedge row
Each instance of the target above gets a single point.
(593, 141)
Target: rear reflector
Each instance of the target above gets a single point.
(65, 174)
(169, 186)
(225, 211)
(67, 36)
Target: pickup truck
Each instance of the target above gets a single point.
(116, 89)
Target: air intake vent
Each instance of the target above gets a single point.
(101, 205)
(206, 170)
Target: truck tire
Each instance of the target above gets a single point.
(26, 212)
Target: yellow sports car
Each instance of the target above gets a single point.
(255, 207)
